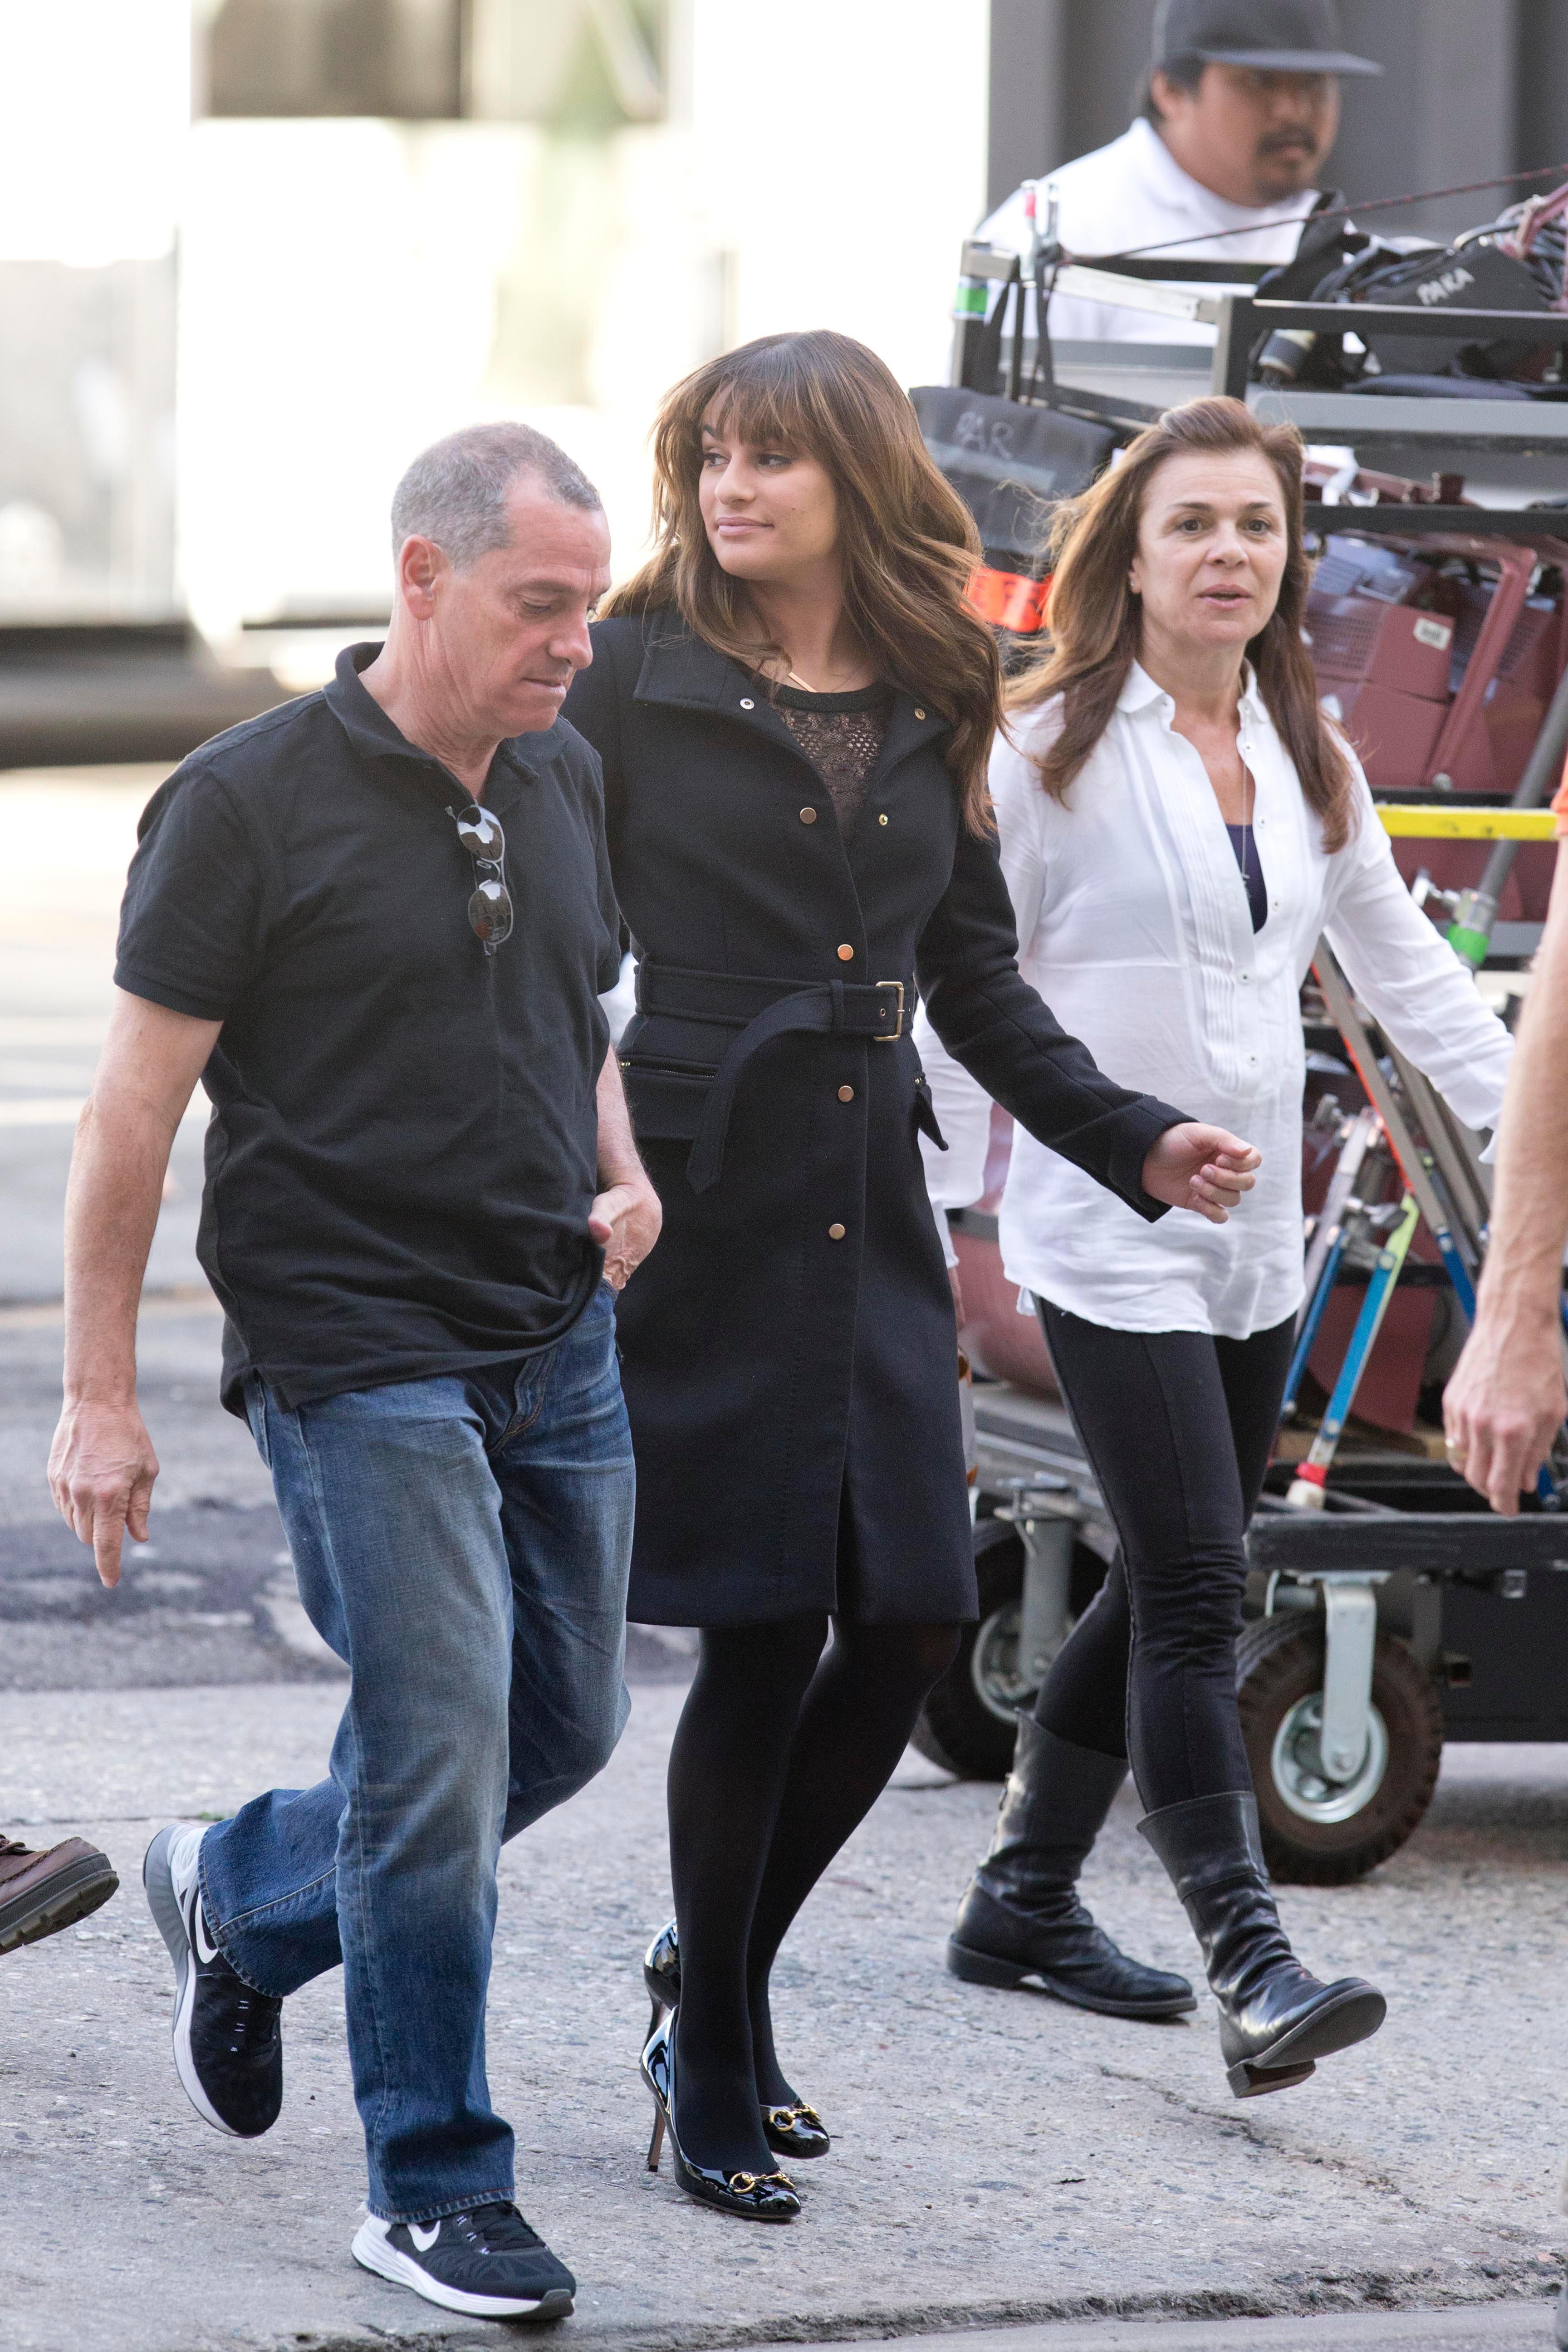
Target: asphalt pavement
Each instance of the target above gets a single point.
(1023, 2174)
(1489, 2328)
(66, 837)
(998, 2157)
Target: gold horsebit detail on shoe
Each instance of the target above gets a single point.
(780, 2119)
(742, 2184)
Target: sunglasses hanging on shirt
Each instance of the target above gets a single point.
(490, 908)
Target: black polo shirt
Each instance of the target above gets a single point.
(403, 1138)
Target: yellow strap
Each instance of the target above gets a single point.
(1468, 823)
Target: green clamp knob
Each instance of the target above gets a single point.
(1468, 944)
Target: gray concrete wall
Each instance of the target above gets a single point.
(1469, 92)
(1541, 81)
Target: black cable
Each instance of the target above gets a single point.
(1342, 212)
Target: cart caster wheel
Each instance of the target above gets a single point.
(1318, 1831)
(969, 1722)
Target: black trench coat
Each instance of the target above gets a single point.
(788, 1350)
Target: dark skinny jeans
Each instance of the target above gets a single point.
(1177, 1427)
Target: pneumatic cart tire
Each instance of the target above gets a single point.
(969, 1722)
(1315, 1832)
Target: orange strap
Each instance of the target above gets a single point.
(1010, 600)
(1560, 805)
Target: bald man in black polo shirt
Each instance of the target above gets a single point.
(376, 923)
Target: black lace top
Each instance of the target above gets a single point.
(841, 735)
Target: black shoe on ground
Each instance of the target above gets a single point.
(44, 1889)
(750, 2196)
(487, 2263)
(794, 2130)
(228, 2039)
(1021, 1923)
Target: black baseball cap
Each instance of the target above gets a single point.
(1280, 36)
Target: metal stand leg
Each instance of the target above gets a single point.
(1049, 1538)
(1350, 1612)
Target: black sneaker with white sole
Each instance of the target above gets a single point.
(228, 2039)
(486, 2262)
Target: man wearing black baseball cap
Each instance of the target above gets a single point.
(1240, 110)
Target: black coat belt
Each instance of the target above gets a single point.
(761, 1010)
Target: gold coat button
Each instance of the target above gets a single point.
(881, 820)
(809, 817)
(920, 714)
(847, 954)
(845, 1094)
(836, 1232)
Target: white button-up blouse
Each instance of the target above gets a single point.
(1133, 924)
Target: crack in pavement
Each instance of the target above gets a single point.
(1249, 2127)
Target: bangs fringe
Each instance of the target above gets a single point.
(767, 408)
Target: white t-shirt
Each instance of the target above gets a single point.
(1134, 925)
(1131, 194)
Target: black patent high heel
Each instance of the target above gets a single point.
(661, 1975)
(797, 2132)
(750, 2196)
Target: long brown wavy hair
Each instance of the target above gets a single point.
(907, 541)
(1095, 619)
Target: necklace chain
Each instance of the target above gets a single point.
(793, 677)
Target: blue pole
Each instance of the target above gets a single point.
(1310, 1479)
(1309, 1328)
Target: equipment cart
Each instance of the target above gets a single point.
(1387, 1608)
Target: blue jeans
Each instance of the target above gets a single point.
(463, 1545)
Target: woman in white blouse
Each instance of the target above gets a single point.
(1179, 822)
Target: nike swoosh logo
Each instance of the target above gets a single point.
(204, 1950)
(423, 2239)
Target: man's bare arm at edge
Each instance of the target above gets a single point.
(1505, 1400)
(102, 1465)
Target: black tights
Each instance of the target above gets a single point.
(1177, 1427)
(782, 1750)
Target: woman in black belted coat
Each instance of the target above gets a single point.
(793, 704)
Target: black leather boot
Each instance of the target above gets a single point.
(1275, 2020)
(1020, 1921)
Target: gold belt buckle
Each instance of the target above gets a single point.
(891, 1036)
